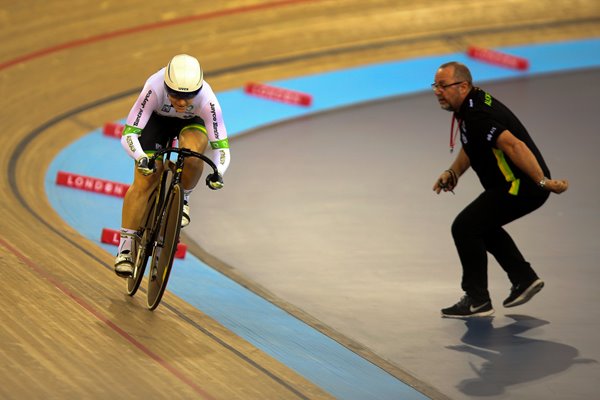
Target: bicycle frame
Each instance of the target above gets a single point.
(160, 228)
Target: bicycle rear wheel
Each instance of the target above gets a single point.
(144, 243)
(165, 245)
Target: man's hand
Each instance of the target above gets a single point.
(143, 166)
(556, 185)
(214, 181)
(446, 182)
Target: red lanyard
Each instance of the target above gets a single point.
(454, 132)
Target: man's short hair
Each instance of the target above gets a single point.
(461, 72)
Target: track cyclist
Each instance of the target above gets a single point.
(175, 102)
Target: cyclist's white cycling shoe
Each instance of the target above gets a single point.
(185, 217)
(124, 264)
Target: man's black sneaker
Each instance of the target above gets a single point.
(523, 292)
(466, 307)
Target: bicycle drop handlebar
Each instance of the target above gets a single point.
(182, 153)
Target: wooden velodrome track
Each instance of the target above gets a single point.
(68, 330)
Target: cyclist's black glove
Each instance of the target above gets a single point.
(214, 181)
(143, 165)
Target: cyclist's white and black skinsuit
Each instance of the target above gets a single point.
(153, 122)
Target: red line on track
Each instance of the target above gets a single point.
(147, 27)
(101, 317)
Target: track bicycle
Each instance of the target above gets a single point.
(158, 235)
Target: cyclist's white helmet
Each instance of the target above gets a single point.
(183, 75)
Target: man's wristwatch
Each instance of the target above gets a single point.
(542, 182)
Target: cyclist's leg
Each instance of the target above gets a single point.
(133, 205)
(135, 199)
(192, 137)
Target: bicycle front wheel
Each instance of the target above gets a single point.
(165, 245)
(144, 243)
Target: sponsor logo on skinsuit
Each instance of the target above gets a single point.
(130, 143)
(141, 110)
(215, 124)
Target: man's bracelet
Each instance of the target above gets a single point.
(542, 182)
(454, 176)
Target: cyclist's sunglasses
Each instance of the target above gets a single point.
(182, 95)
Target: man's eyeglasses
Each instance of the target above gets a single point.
(435, 86)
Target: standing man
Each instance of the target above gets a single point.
(515, 179)
(175, 102)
